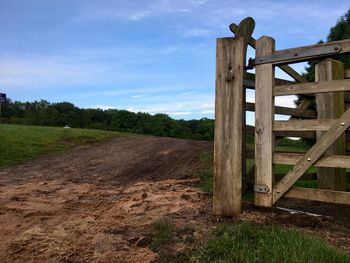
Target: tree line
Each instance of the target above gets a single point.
(58, 114)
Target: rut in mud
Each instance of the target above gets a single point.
(95, 203)
(92, 204)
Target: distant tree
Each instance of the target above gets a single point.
(340, 31)
(64, 113)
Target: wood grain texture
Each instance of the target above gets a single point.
(299, 54)
(229, 126)
(319, 195)
(249, 78)
(287, 69)
(264, 116)
(295, 112)
(340, 161)
(291, 72)
(303, 125)
(313, 87)
(331, 105)
(312, 155)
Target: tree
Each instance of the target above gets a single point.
(340, 31)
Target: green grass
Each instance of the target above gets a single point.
(241, 242)
(163, 234)
(258, 243)
(20, 143)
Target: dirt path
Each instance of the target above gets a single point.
(94, 203)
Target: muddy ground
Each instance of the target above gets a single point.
(96, 203)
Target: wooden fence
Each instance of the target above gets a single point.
(328, 124)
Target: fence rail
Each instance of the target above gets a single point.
(328, 124)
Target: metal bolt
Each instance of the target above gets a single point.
(343, 124)
(278, 191)
(308, 159)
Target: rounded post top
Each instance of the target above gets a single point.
(245, 27)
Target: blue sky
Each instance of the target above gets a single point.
(152, 56)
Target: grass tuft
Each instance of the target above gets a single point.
(256, 243)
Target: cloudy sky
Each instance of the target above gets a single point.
(153, 56)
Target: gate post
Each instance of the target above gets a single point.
(331, 106)
(229, 126)
(264, 117)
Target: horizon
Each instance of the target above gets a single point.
(154, 57)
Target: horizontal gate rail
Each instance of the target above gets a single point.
(300, 54)
(294, 112)
(313, 87)
(304, 125)
(336, 161)
(249, 81)
(320, 195)
(316, 151)
(287, 69)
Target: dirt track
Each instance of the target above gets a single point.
(94, 203)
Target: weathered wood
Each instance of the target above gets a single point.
(331, 105)
(264, 116)
(245, 28)
(312, 155)
(291, 72)
(303, 125)
(287, 69)
(305, 53)
(301, 108)
(347, 74)
(295, 112)
(339, 161)
(319, 195)
(251, 40)
(229, 126)
(249, 81)
(313, 87)
(302, 134)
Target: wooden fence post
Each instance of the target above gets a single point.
(331, 106)
(229, 126)
(264, 117)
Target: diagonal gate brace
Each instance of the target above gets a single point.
(316, 151)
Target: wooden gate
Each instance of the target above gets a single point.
(328, 124)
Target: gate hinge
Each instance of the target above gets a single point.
(261, 188)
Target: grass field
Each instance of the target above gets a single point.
(241, 242)
(20, 143)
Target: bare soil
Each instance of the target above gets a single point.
(96, 203)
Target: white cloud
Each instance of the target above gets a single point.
(137, 96)
(138, 15)
(196, 32)
(183, 10)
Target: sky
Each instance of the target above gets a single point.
(152, 56)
